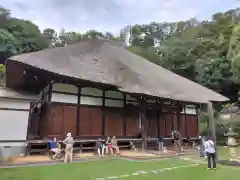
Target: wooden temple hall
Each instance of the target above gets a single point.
(97, 88)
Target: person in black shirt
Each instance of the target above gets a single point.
(99, 147)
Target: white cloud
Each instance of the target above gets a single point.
(109, 15)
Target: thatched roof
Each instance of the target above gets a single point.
(110, 63)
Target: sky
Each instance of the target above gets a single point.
(111, 15)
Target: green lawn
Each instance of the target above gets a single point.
(116, 167)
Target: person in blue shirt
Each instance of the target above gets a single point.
(54, 147)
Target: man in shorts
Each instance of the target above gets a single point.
(69, 142)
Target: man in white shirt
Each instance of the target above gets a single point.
(210, 149)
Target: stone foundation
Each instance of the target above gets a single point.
(10, 151)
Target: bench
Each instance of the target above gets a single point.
(41, 146)
(128, 143)
(192, 141)
(37, 147)
(84, 145)
(153, 143)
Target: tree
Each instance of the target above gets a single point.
(18, 36)
(4, 15)
(9, 45)
(50, 35)
(149, 53)
(2, 74)
(206, 52)
(92, 34)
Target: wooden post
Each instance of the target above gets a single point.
(212, 123)
(142, 119)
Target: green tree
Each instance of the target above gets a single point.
(4, 15)
(18, 36)
(2, 74)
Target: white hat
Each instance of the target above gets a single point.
(69, 134)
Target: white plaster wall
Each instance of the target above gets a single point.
(190, 111)
(128, 97)
(114, 103)
(91, 91)
(114, 94)
(91, 101)
(132, 102)
(14, 104)
(13, 124)
(65, 88)
(65, 98)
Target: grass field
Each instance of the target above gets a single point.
(169, 169)
(178, 169)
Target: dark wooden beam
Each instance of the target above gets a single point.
(185, 117)
(178, 115)
(103, 114)
(78, 113)
(158, 129)
(125, 116)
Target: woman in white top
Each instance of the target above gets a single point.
(210, 149)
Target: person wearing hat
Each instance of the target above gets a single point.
(69, 147)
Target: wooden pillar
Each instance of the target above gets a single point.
(158, 124)
(78, 112)
(103, 114)
(124, 117)
(185, 118)
(178, 116)
(212, 121)
(142, 118)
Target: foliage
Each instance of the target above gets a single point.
(206, 52)
(18, 36)
(2, 74)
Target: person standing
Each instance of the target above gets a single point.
(69, 147)
(99, 147)
(210, 149)
(177, 141)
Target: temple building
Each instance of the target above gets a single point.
(97, 88)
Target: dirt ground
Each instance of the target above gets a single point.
(127, 154)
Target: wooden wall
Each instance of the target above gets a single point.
(61, 119)
(94, 113)
(90, 119)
